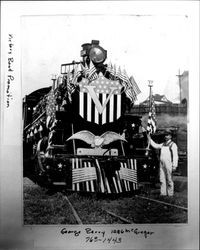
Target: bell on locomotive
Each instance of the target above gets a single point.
(85, 132)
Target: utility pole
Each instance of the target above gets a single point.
(179, 80)
(150, 92)
(53, 78)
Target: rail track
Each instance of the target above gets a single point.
(79, 221)
(119, 217)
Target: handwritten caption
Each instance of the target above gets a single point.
(10, 70)
(111, 236)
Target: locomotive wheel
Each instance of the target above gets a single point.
(42, 178)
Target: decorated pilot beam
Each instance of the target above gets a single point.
(93, 174)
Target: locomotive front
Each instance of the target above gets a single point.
(81, 132)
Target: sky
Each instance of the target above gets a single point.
(148, 47)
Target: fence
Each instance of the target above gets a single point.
(171, 109)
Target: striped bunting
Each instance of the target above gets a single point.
(100, 178)
(91, 177)
(124, 180)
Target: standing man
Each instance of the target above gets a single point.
(168, 163)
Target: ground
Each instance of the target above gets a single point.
(42, 207)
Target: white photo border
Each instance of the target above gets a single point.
(13, 233)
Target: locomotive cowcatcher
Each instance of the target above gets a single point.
(79, 133)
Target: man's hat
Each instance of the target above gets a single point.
(168, 132)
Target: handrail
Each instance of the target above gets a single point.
(29, 125)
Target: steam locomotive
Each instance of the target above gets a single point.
(79, 133)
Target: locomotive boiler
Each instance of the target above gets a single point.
(78, 133)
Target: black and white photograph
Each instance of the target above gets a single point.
(98, 116)
(91, 117)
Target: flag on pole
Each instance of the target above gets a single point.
(135, 87)
(76, 74)
(119, 74)
(70, 86)
(151, 124)
(85, 70)
(131, 88)
(112, 70)
(92, 74)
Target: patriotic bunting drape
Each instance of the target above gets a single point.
(50, 108)
(35, 130)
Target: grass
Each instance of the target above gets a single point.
(40, 208)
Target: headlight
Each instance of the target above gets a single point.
(94, 52)
(97, 54)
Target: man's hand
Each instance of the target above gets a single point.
(148, 137)
(173, 168)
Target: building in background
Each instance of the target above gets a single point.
(158, 100)
(184, 85)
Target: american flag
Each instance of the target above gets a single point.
(85, 70)
(135, 87)
(50, 108)
(92, 74)
(128, 174)
(151, 124)
(112, 70)
(131, 88)
(68, 79)
(119, 73)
